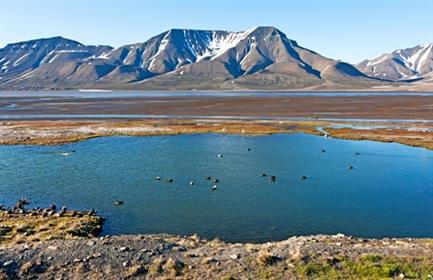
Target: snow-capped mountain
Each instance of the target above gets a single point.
(404, 64)
(21, 58)
(259, 58)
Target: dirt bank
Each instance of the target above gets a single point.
(175, 257)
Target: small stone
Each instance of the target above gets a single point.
(8, 263)
(77, 260)
(123, 249)
(234, 256)
(50, 258)
(125, 263)
(97, 255)
(91, 243)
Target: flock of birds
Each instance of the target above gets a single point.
(215, 180)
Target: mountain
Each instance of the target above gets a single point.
(259, 58)
(404, 64)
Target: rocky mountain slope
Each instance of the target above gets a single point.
(259, 58)
(414, 63)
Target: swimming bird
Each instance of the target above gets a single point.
(264, 175)
(208, 177)
(157, 178)
(216, 180)
(24, 201)
(249, 149)
(214, 187)
(220, 155)
(273, 178)
(191, 183)
(323, 150)
(303, 177)
(118, 202)
(357, 154)
(170, 180)
(350, 167)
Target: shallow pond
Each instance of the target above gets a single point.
(389, 191)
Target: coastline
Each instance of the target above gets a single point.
(45, 243)
(55, 132)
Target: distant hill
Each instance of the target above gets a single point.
(413, 63)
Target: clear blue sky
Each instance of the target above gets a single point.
(341, 29)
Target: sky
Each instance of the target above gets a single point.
(350, 30)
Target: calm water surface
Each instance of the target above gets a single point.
(388, 193)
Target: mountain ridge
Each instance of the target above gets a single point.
(411, 63)
(261, 58)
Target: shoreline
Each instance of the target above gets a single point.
(165, 256)
(45, 243)
(56, 132)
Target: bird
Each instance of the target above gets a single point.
(323, 151)
(118, 202)
(220, 155)
(191, 183)
(303, 177)
(273, 178)
(357, 154)
(208, 177)
(216, 180)
(214, 187)
(264, 175)
(157, 178)
(249, 149)
(170, 180)
(350, 167)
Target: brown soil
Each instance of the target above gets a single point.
(65, 131)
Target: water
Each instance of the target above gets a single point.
(389, 193)
(49, 95)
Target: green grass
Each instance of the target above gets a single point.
(367, 267)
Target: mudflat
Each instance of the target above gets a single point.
(371, 107)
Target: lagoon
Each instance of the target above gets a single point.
(388, 193)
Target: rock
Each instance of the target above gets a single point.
(8, 263)
(234, 256)
(77, 260)
(123, 249)
(91, 243)
(208, 260)
(135, 271)
(125, 263)
(265, 258)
